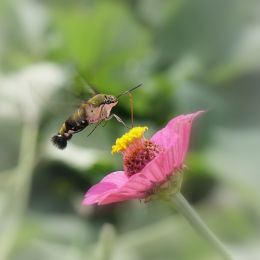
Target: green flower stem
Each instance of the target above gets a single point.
(22, 182)
(183, 206)
(105, 246)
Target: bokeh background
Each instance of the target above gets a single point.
(189, 55)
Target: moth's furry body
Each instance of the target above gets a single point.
(92, 111)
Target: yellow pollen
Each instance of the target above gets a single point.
(123, 142)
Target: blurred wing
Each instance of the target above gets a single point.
(84, 86)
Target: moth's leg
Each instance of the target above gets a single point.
(97, 124)
(105, 122)
(118, 119)
(95, 127)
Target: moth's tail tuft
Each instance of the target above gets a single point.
(59, 141)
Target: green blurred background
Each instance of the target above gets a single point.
(189, 55)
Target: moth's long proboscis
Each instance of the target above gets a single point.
(128, 91)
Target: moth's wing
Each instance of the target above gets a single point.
(83, 86)
(63, 103)
(90, 88)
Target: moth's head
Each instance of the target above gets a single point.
(103, 99)
(109, 99)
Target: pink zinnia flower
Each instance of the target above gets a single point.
(151, 167)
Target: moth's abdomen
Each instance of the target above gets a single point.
(71, 126)
(60, 141)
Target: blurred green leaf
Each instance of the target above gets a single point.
(234, 158)
(104, 46)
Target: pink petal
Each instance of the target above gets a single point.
(118, 178)
(178, 126)
(117, 197)
(108, 184)
(98, 191)
(134, 188)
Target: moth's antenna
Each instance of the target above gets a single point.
(128, 91)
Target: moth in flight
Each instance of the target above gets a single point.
(95, 110)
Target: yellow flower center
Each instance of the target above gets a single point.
(124, 141)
